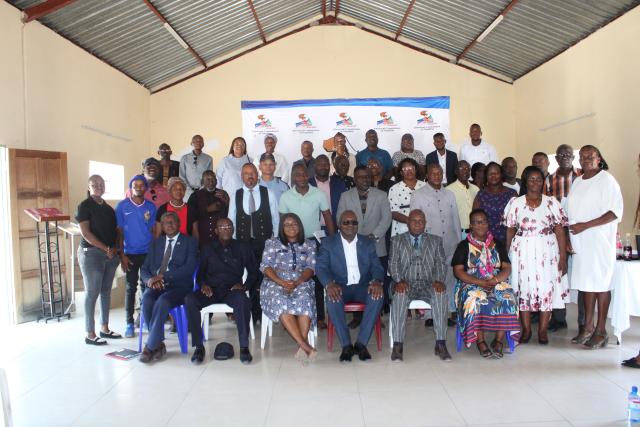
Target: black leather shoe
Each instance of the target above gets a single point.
(146, 356)
(159, 352)
(428, 323)
(396, 353)
(363, 353)
(347, 353)
(556, 326)
(198, 355)
(442, 352)
(245, 356)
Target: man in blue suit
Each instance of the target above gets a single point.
(167, 273)
(350, 271)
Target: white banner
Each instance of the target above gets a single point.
(316, 120)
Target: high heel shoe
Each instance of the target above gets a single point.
(543, 340)
(582, 337)
(597, 340)
(524, 338)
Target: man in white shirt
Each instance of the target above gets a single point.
(476, 149)
(350, 271)
(282, 165)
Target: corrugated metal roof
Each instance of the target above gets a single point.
(129, 36)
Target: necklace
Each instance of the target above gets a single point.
(533, 203)
(176, 206)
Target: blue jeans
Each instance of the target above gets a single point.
(98, 272)
(354, 293)
(156, 305)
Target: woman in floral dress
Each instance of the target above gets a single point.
(484, 299)
(537, 248)
(287, 293)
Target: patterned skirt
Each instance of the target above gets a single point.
(482, 310)
(275, 301)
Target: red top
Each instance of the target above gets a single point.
(182, 214)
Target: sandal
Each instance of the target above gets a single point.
(497, 347)
(94, 341)
(110, 334)
(597, 340)
(631, 363)
(582, 337)
(486, 353)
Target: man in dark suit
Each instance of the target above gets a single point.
(350, 271)
(167, 273)
(447, 159)
(222, 265)
(418, 268)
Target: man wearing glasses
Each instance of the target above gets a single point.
(193, 164)
(349, 269)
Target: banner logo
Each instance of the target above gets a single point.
(426, 118)
(264, 122)
(345, 120)
(386, 119)
(305, 122)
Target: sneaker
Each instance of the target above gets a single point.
(129, 332)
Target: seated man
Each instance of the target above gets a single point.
(350, 271)
(222, 264)
(167, 273)
(418, 268)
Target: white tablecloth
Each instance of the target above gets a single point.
(625, 297)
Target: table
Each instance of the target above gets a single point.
(72, 230)
(625, 296)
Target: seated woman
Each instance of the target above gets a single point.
(287, 293)
(484, 300)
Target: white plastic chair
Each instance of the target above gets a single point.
(416, 304)
(6, 403)
(222, 308)
(267, 327)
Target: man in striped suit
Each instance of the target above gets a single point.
(418, 269)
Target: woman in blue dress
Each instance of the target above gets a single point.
(287, 293)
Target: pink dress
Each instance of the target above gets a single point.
(535, 255)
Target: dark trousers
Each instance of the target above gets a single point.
(560, 314)
(258, 248)
(319, 289)
(196, 301)
(133, 278)
(156, 305)
(384, 260)
(354, 293)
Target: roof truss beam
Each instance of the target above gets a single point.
(42, 9)
(404, 19)
(255, 16)
(502, 14)
(174, 33)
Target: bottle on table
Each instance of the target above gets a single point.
(633, 405)
(619, 247)
(626, 250)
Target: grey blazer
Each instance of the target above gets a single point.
(377, 218)
(432, 254)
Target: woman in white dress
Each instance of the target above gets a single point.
(400, 195)
(537, 249)
(594, 207)
(230, 168)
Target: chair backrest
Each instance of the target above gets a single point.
(195, 278)
(6, 403)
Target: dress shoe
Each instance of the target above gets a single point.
(442, 352)
(451, 322)
(556, 326)
(159, 352)
(147, 355)
(428, 323)
(363, 353)
(245, 355)
(347, 353)
(198, 355)
(396, 353)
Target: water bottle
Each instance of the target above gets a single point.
(626, 250)
(633, 407)
(619, 248)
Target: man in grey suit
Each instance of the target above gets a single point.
(373, 211)
(418, 269)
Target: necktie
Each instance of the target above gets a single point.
(166, 257)
(252, 209)
(416, 243)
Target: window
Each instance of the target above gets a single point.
(113, 176)
(553, 165)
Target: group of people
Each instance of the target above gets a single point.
(488, 251)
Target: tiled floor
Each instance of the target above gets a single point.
(55, 379)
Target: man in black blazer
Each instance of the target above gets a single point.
(222, 265)
(445, 158)
(167, 273)
(350, 271)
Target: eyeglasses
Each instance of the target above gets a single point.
(408, 168)
(195, 160)
(347, 222)
(565, 156)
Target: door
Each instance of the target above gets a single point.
(37, 179)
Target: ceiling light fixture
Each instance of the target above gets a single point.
(176, 35)
(490, 28)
